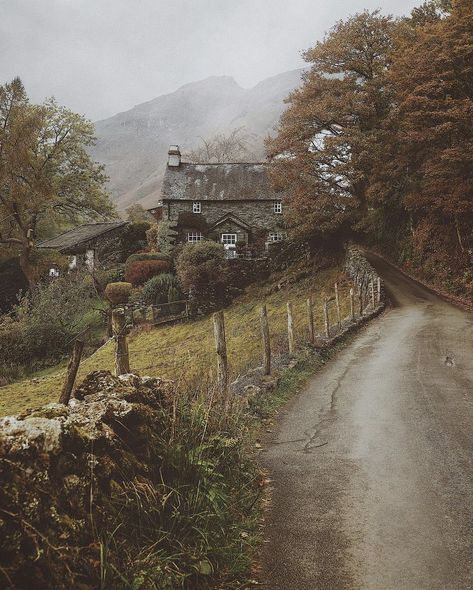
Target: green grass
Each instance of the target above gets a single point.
(185, 352)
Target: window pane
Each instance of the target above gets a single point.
(229, 238)
(194, 236)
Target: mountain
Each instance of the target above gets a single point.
(133, 145)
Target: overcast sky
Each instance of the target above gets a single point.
(99, 57)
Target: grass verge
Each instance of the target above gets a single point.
(185, 352)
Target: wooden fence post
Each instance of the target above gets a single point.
(379, 289)
(326, 319)
(290, 328)
(352, 304)
(373, 297)
(122, 356)
(337, 303)
(266, 341)
(221, 349)
(72, 369)
(310, 318)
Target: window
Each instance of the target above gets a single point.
(229, 239)
(277, 236)
(194, 236)
(197, 207)
(277, 207)
(54, 272)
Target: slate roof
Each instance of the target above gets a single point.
(80, 235)
(218, 182)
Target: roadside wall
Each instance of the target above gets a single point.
(360, 271)
(65, 471)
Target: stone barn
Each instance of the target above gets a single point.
(233, 204)
(90, 244)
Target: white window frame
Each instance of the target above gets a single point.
(277, 207)
(277, 236)
(232, 242)
(194, 236)
(196, 207)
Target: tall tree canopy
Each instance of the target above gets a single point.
(46, 175)
(425, 164)
(322, 153)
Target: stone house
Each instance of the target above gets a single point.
(233, 204)
(91, 244)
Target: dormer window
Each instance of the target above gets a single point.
(277, 207)
(196, 207)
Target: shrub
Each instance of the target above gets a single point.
(203, 272)
(114, 275)
(141, 271)
(118, 293)
(163, 288)
(41, 327)
(12, 281)
(134, 236)
(142, 256)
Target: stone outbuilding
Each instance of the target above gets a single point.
(90, 244)
(233, 204)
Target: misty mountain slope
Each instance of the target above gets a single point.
(133, 145)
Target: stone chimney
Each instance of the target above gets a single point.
(174, 156)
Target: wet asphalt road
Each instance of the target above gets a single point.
(372, 465)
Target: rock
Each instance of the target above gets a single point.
(56, 459)
(252, 389)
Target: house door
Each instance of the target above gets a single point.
(229, 243)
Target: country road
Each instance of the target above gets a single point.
(372, 464)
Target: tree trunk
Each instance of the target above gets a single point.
(25, 264)
(457, 228)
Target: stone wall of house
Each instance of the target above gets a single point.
(108, 249)
(257, 214)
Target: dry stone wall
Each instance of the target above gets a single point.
(361, 271)
(64, 473)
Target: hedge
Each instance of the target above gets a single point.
(141, 271)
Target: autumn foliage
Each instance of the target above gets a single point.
(141, 271)
(378, 140)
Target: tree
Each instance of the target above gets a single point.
(234, 147)
(322, 152)
(136, 213)
(46, 175)
(430, 11)
(426, 155)
(203, 273)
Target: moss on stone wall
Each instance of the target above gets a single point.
(118, 490)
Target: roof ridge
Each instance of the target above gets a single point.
(223, 163)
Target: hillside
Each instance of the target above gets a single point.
(185, 352)
(133, 145)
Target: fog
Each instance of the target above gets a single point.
(99, 57)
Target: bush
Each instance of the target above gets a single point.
(114, 275)
(134, 236)
(118, 293)
(142, 256)
(12, 281)
(163, 288)
(40, 328)
(203, 272)
(140, 272)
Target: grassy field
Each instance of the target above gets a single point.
(185, 352)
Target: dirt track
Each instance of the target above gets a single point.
(372, 465)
